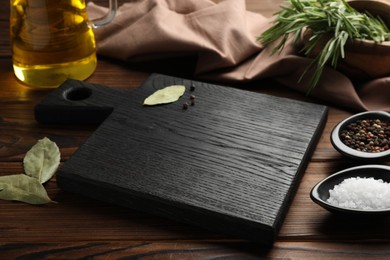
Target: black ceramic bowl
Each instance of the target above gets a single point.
(353, 153)
(320, 192)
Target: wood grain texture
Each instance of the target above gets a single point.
(194, 250)
(230, 163)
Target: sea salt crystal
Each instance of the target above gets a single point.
(361, 193)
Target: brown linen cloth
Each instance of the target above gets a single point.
(223, 37)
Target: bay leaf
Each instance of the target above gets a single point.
(166, 95)
(20, 187)
(42, 160)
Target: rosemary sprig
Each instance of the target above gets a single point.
(334, 18)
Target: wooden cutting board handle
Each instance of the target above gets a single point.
(77, 102)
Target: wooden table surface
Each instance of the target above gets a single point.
(78, 227)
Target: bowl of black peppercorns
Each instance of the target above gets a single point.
(363, 136)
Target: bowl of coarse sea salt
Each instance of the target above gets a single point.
(361, 190)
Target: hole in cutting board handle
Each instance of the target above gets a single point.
(77, 94)
(75, 102)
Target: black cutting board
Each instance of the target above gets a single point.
(230, 163)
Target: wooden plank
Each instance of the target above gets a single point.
(77, 219)
(192, 250)
(230, 163)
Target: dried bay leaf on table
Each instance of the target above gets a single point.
(166, 95)
(21, 187)
(42, 160)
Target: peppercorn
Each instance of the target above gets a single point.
(369, 135)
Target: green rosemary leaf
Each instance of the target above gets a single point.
(281, 45)
(316, 76)
(297, 5)
(338, 25)
(297, 37)
(327, 52)
(323, 17)
(313, 42)
(344, 40)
